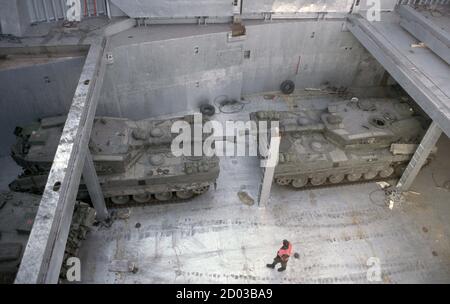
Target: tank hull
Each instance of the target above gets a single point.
(344, 142)
(133, 160)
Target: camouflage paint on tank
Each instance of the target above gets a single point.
(133, 159)
(17, 214)
(348, 141)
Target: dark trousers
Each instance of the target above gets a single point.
(277, 260)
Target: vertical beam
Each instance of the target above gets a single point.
(95, 192)
(108, 9)
(269, 165)
(420, 156)
(43, 256)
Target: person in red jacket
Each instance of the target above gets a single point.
(282, 256)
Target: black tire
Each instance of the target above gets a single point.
(207, 109)
(287, 87)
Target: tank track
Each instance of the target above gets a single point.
(152, 202)
(393, 177)
(83, 195)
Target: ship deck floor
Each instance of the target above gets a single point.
(216, 238)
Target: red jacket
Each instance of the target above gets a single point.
(285, 252)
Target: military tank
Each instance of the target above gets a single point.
(17, 213)
(345, 141)
(133, 160)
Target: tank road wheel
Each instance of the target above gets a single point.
(386, 172)
(336, 178)
(399, 169)
(120, 199)
(283, 181)
(184, 194)
(370, 175)
(300, 182)
(353, 177)
(142, 198)
(163, 196)
(317, 180)
(201, 190)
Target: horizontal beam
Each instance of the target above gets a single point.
(434, 37)
(417, 84)
(43, 256)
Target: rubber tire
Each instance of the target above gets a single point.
(163, 196)
(283, 181)
(142, 198)
(336, 178)
(300, 182)
(201, 190)
(354, 177)
(318, 180)
(207, 109)
(370, 175)
(120, 199)
(385, 173)
(287, 87)
(186, 194)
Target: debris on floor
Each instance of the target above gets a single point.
(122, 214)
(246, 198)
(418, 45)
(383, 185)
(122, 266)
(394, 197)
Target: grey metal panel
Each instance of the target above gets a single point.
(435, 38)
(169, 76)
(309, 53)
(295, 6)
(166, 76)
(174, 8)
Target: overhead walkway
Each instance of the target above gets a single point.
(413, 46)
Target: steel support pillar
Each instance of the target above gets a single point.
(95, 192)
(420, 156)
(43, 256)
(268, 165)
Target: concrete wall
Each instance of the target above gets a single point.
(33, 92)
(14, 18)
(176, 75)
(309, 53)
(169, 76)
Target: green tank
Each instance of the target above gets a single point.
(133, 159)
(345, 141)
(17, 214)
